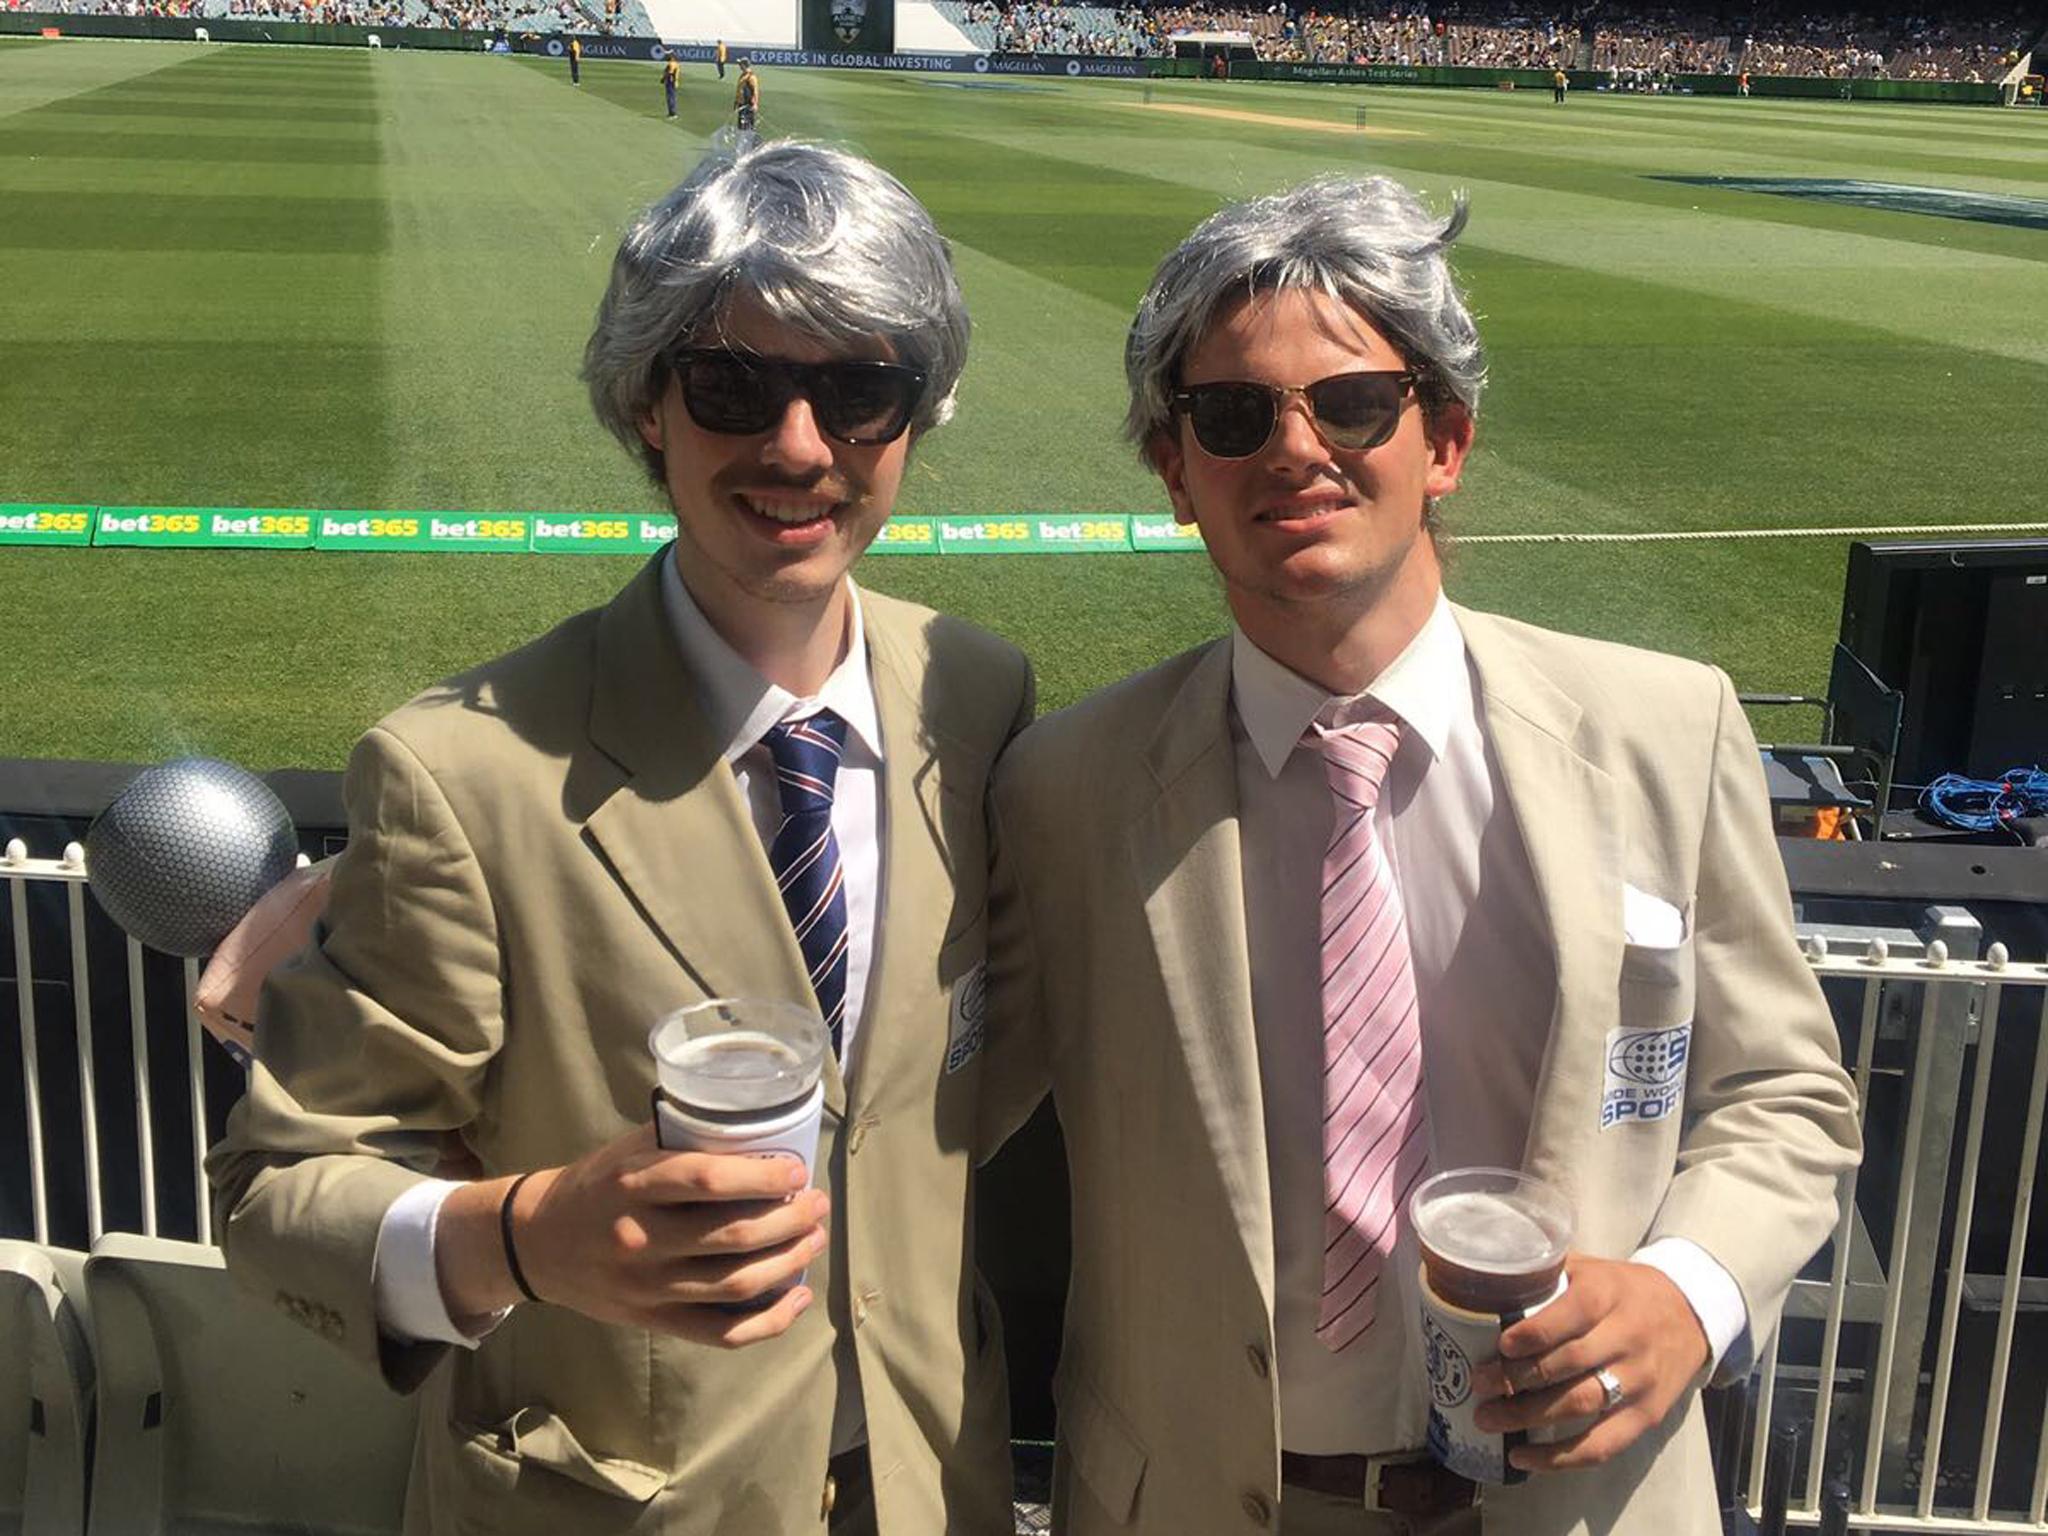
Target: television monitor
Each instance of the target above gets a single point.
(1960, 629)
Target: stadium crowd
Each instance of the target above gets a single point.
(1638, 42)
(517, 17)
(1648, 39)
(1093, 31)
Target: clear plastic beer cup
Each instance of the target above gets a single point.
(1493, 1247)
(741, 1076)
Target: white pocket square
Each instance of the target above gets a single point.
(1650, 921)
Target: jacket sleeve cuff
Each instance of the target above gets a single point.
(1711, 1292)
(410, 1308)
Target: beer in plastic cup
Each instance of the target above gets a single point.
(740, 1075)
(1493, 1246)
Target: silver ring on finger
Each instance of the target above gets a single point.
(1610, 1385)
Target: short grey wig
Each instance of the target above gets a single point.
(820, 239)
(1366, 240)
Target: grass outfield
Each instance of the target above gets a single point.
(257, 276)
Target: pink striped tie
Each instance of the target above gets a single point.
(1375, 1129)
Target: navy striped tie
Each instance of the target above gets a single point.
(805, 854)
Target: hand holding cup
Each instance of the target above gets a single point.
(700, 1224)
(1602, 1367)
(702, 1245)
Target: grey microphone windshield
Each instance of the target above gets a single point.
(186, 850)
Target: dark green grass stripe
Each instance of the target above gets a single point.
(174, 104)
(151, 422)
(1459, 162)
(139, 221)
(326, 64)
(41, 142)
(1806, 152)
(283, 98)
(326, 68)
(1698, 126)
(179, 107)
(1561, 173)
(315, 648)
(1786, 419)
(1908, 125)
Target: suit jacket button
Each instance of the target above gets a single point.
(831, 1496)
(859, 1134)
(1257, 1359)
(860, 1310)
(1257, 1510)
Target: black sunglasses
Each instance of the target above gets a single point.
(857, 401)
(1234, 419)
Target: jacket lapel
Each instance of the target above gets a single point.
(917, 863)
(1189, 865)
(1566, 810)
(670, 822)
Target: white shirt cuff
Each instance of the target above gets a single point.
(405, 1280)
(1711, 1292)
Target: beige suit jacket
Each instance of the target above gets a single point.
(547, 855)
(1119, 967)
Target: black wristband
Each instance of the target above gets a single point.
(505, 1232)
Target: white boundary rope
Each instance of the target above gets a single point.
(1702, 534)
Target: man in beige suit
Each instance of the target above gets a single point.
(1374, 887)
(553, 851)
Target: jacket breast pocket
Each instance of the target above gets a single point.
(1657, 985)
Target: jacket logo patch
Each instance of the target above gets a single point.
(1645, 1075)
(968, 1025)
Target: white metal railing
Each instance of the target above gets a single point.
(1911, 1011)
(19, 872)
(1935, 1009)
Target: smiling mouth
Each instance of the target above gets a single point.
(1301, 512)
(788, 511)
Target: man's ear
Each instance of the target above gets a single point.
(651, 431)
(1164, 451)
(1450, 430)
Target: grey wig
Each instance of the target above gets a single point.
(1368, 241)
(818, 238)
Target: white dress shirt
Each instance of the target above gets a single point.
(739, 706)
(1486, 981)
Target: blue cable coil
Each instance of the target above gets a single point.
(1986, 805)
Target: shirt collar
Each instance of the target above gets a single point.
(1423, 686)
(740, 704)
